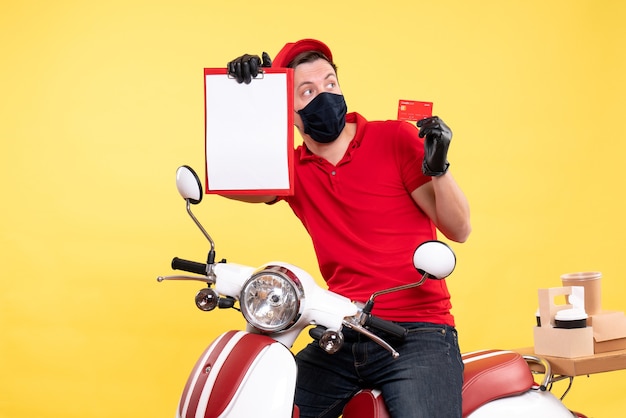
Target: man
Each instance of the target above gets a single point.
(369, 193)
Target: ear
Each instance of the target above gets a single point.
(297, 122)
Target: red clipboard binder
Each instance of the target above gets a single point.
(249, 133)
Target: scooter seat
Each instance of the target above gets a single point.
(488, 375)
(493, 374)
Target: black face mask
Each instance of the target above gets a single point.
(324, 117)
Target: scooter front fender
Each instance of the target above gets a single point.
(241, 375)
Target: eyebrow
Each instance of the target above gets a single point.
(329, 75)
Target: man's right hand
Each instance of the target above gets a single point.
(246, 67)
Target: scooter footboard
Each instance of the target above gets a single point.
(241, 374)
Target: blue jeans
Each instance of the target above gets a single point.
(424, 381)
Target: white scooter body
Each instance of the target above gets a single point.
(534, 403)
(241, 375)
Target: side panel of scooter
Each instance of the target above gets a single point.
(535, 404)
(241, 375)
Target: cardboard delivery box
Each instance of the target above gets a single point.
(609, 331)
(605, 331)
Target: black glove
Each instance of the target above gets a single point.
(438, 137)
(246, 67)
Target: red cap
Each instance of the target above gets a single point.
(293, 49)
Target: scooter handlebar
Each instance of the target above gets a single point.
(389, 327)
(189, 266)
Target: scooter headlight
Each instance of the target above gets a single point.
(270, 299)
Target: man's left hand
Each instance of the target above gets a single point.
(437, 140)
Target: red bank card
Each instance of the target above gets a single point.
(412, 110)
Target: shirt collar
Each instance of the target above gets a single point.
(306, 154)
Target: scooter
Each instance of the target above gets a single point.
(252, 372)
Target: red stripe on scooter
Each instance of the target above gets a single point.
(233, 371)
(199, 370)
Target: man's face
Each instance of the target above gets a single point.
(311, 79)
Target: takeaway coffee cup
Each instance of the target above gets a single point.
(591, 281)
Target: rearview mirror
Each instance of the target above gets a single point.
(188, 184)
(434, 258)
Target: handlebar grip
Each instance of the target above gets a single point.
(187, 265)
(317, 332)
(389, 327)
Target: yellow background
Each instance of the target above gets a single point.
(100, 102)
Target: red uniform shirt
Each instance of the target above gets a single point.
(364, 224)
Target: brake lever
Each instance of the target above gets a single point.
(372, 336)
(204, 279)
